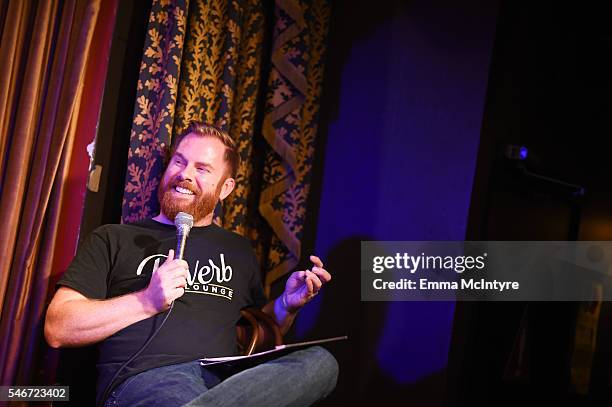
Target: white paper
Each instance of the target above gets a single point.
(212, 361)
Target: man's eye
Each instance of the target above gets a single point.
(203, 170)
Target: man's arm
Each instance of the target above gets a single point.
(283, 317)
(301, 287)
(75, 320)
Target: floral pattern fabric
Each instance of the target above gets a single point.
(224, 63)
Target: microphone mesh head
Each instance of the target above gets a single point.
(183, 221)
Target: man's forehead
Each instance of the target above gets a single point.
(206, 151)
(195, 146)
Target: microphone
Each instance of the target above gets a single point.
(183, 222)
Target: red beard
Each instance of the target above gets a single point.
(199, 207)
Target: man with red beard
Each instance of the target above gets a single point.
(153, 316)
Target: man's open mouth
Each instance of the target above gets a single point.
(183, 191)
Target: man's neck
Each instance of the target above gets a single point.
(207, 220)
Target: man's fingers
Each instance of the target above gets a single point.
(173, 274)
(309, 286)
(176, 265)
(315, 280)
(180, 271)
(323, 274)
(180, 281)
(179, 292)
(317, 261)
(172, 263)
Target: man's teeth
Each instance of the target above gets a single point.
(183, 190)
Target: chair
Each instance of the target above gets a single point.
(257, 331)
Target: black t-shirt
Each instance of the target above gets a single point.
(223, 278)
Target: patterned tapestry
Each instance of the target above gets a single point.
(227, 64)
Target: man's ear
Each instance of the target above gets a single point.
(227, 188)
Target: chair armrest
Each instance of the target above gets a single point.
(258, 319)
(248, 342)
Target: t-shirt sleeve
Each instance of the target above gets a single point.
(257, 297)
(89, 270)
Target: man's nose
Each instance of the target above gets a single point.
(187, 173)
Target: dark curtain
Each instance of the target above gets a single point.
(207, 60)
(43, 54)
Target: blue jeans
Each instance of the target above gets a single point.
(299, 378)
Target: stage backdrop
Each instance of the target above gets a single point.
(44, 51)
(403, 105)
(217, 61)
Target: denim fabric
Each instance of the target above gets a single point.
(297, 379)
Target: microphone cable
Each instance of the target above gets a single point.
(184, 223)
(134, 356)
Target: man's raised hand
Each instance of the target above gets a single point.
(303, 286)
(167, 283)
